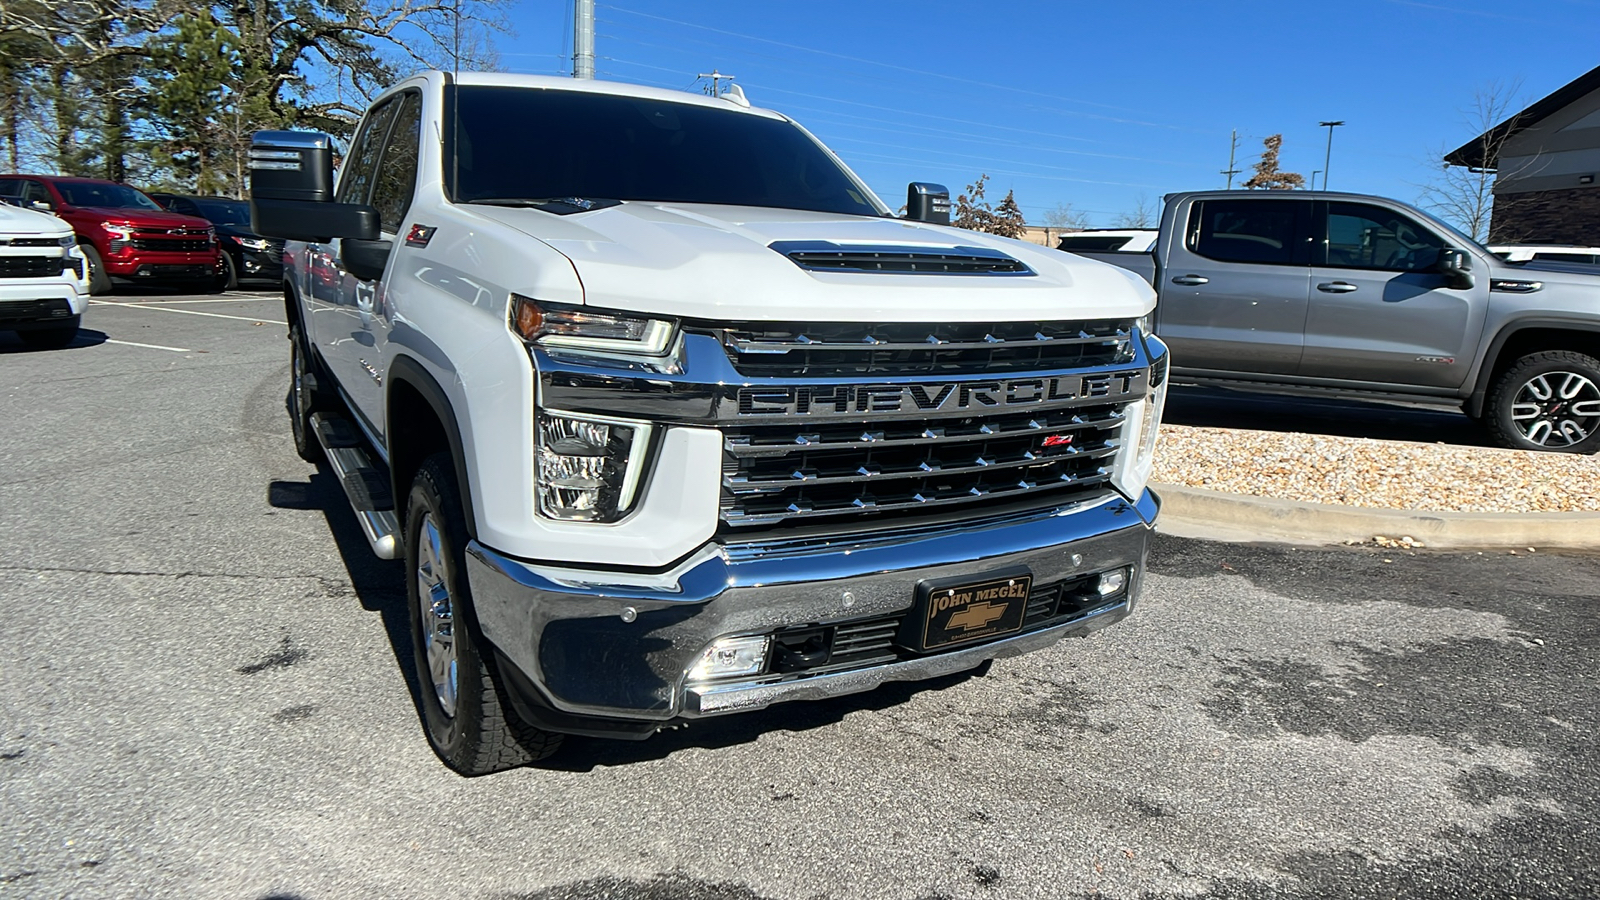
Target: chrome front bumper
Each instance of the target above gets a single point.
(617, 646)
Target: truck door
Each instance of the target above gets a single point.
(1234, 287)
(1380, 310)
(340, 305)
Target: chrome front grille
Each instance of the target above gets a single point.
(813, 350)
(777, 475)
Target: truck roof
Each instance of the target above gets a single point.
(582, 85)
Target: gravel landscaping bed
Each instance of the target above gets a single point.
(1378, 474)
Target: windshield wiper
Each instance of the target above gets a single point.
(561, 206)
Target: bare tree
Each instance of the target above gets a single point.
(1143, 215)
(1268, 176)
(1064, 218)
(1464, 195)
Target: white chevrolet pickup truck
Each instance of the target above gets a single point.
(669, 417)
(44, 284)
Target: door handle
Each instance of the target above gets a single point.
(1336, 287)
(1191, 279)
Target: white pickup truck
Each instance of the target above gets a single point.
(44, 284)
(670, 417)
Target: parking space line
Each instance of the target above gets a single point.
(185, 300)
(190, 312)
(149, 346)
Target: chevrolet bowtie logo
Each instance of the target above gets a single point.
(976, 616)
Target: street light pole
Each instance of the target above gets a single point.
(1314, 174)
(1329, 158)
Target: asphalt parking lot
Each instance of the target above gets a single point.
(201, 695)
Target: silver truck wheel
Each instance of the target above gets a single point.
(472, 729)
(1548, 401)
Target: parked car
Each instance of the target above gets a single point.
(1329, 293)
(123, 233)
(248, 255)
(1516, 253)
(661, 441)
(44, 285)
(1110, 240)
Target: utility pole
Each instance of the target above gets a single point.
(715, 88)
(1233, 147)
(1329, 158)
(583, 39)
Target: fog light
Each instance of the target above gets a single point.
(1113, 581)
(589, 469)
(731, 656)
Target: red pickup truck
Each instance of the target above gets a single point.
(123, 233)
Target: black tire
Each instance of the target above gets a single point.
(228, 279)
(304, 399)
(99, 281)
(472, 729)
(1547, 401)
(53, 338)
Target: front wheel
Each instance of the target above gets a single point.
(469, 726)
(1547, 401)
(99, 281)
(303, 398)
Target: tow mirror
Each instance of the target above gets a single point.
(291, 190)
(927, 202)
(1456, 266)
(363, 258)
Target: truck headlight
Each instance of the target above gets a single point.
(586, 329)
(1143, 427)
(589, 469)
(256, 244)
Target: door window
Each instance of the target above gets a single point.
(363, 161)
(1361, 236)
(34, 192)
(397, 175)
(1247, 231)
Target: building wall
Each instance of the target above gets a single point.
(1547, 188)
(1568, 216)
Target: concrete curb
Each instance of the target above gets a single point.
(1212, 515)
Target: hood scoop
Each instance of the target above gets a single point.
(826, 256)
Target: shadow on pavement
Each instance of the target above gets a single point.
(1390, 421)
(87, 337)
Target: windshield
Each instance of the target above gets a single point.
(225, 212)
(104, 194)
(520, 144)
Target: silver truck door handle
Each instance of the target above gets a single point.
(1336, 287)
(1191, 279)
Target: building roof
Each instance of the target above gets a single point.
(1482, 152)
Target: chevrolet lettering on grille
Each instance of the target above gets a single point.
(975, 396)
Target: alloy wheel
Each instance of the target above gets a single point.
(437, 616)
(1557, 409)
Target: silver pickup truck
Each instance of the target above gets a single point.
(1329, 293)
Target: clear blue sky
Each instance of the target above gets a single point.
(1093, 103)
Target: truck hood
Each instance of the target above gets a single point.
(15, 220)
(141, 218)
(715, 262)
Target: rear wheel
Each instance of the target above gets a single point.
(52, 338)
(1547, 401)
(99, 281)
(470, 727)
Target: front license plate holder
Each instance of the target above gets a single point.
(950, 612)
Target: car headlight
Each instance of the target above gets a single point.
(590, 330)
(67, 240)
(589, 469)
(257, 244)
(1142, 427)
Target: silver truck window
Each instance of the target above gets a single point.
(397, 174)
(356, 185)
(1246, 231)
(519, 144)
(1362, 236)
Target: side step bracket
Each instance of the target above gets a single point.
(365, 483)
